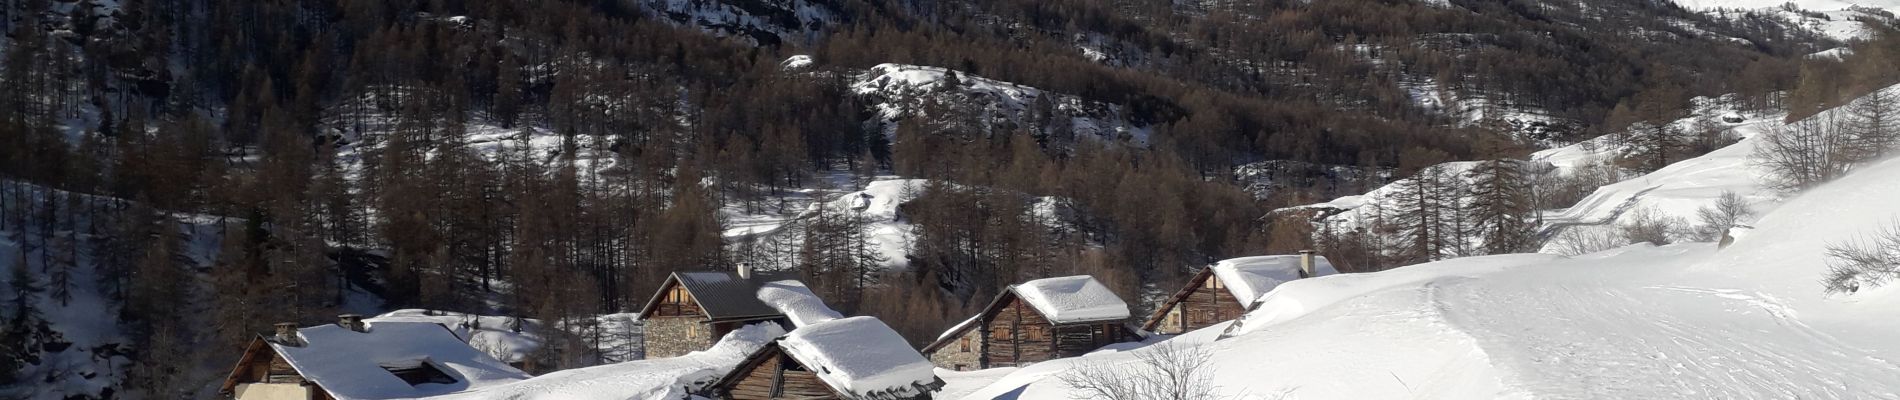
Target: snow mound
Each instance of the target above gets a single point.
(1750, 321)
(667, 378)
(497, 336)
(1249, 277)
(1072, 299)
(1680, 189)
(798, 303)
(795, 63)
(351, 364)
(861, 357)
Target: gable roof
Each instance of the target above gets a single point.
(1076, 299)
(1246, 278)
(1072, 299)
(723, 296)
(350, 365)
(859, 357)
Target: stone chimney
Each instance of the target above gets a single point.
(745, 271)
(352, 322)
(287, 335)
(1306, 263)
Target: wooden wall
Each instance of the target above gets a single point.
(1208, 304)
(776, 376)
(1015, 334)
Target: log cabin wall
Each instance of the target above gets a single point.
(1209, 304)
(758, 381)
(777, 376)
(1017, 334)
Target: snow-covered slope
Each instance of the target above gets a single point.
(1680, 321)
(764, 22)
(505, 338)
(1679, 189)
(1831, 19)
(899, 91)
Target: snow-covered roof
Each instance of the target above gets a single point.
(954, 329)
(1249, 277)
(797, 302)
(861, 357)
(350, 364)
(494, 334)
(724, 295)
(1072, 299)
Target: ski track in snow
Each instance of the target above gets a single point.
(1594, 339)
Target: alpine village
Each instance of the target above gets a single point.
(949, 199)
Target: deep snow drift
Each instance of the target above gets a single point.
(351, 365)
(860, 356)
(667, 378)
(1681, 321)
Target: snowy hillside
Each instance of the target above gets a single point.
(899, 91)
(58, 304)
(876, 205)
(1677, 190)
(767, 22)
(1681, 188)
(1680, 321)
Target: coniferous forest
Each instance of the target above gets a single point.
(209, 167)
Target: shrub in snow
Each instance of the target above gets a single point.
(1580, 240)
(1648, 225)
(1865, 263)
(1163, 372)
(1727, 212)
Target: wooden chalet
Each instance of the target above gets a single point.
(1223, 291)
(353, 359)
(848, 358)
(692, 310)
(1035, 321)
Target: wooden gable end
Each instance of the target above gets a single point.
(673, 300)
(771, 374)
(1204, 301)
(261, 364)
(1015, 333)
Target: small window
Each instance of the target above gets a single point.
(417, 372)
(1034, 333)
(962, 367)
(965, 344)
(1211, 283)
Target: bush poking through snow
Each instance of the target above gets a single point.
(1865, 263)
(1648, 225)
(1164, 372)
(1580, 240)
(1727, 212)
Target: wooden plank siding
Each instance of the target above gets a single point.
(677, 303)
(771, 374)
(261, 364)
(1205, 302)
(1014, 334)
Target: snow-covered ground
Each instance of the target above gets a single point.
(1832, 19)
(898, 91)
(876, 203)
(1682, 321)
(666, 378)
(1679, 189)
(77, 346)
